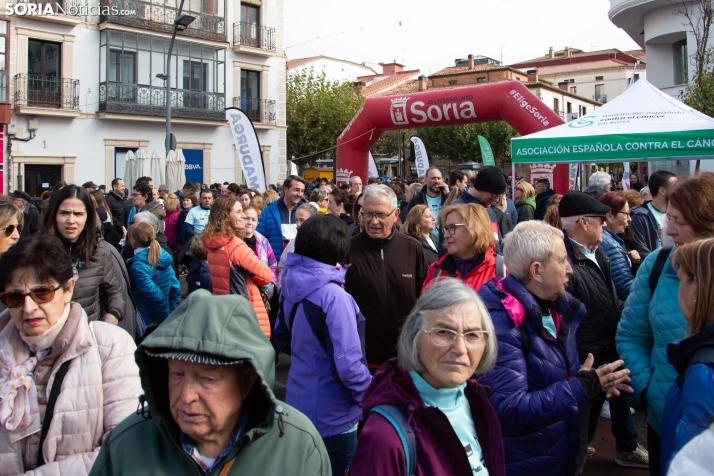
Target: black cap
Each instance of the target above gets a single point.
(90, 184)
(21, 195)
(490, 179)
(576, 203)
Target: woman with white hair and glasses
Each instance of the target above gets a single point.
(428, 395)
(537, 383)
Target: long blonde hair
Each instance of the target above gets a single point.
(411, 223)
(142, 235)
(696, 259)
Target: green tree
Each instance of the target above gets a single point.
(317, 111)
(460, 143)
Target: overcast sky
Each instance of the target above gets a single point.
(434, 33)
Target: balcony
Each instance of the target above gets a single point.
(602, 99)
(260, 111)
(254, 38)
(68, 12)
(160, 18)
(46, 95)
(141, 100)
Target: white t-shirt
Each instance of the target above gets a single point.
(198, 218)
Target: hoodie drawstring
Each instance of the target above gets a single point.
(281, 425)
(142, 409)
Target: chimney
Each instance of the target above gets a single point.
(359, 86)
(423, 83)
(563, 85)
(551, 53)
(389, 69)
(471, 61)
(532, 75)
(568, 53)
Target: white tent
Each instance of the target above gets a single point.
(130, 169)
(181, 168)
(142, 159)
(172, 172)
(157, 172)
(641, 124)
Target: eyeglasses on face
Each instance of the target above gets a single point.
(10, 229)
(452, 228)
(41, 295)
(379, 216)
(446, 337)
(519, 189)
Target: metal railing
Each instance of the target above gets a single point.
(254, 35)
(66, 7)
(3, 87)
(151, 101)
(161, 18)
(602, 99)
(32, 90)
(258, 110)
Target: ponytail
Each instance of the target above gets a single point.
(154, 252)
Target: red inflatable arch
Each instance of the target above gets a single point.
(509, 101)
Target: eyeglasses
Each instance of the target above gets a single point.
(623, 213)
(10, 229)
(379, 216)
(519, 189)
(446, 337)
(452, 228)
(40, 295)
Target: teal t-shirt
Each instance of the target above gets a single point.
(453, 403)
(434, 204)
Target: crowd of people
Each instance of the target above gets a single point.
(441, 327)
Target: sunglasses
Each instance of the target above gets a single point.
(40, 295)
(10, 229)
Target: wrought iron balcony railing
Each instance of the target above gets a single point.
(602, 99)
(254, 35)
(32, 90)
(156, 17)
(66, 7)
(3, 87)
(258, 110)
(151, 101)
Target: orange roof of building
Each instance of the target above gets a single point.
(576, 67)
(389, 83)
(465, 69)
(576, 54)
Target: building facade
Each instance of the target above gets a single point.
(86, 80)
(335, 69)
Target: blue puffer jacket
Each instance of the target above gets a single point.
(620, 268)
(328, 376)
(536, 397)
(270, 226)
(648, 324)
(689, 409)
(156, 291)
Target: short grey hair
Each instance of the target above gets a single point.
(439, 297)
(570, 223)
(645, 191)
(380, 190)
(354, 177)
(599, 179)
(415, 187)
(147, 217)
(530, 241)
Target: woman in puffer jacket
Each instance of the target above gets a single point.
(651, 320)
(71, 218)
(234, 268)
(48, 344)
(156, 289)
(537, 383)
(617, 220)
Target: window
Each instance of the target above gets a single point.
(571, 81)
(680, 57)
(206, 7)
(249, 25)
(585, 110)
(556, 105)
(4, 43)
(569, 107)
(122, 69)
(599, 78)
(250, 93)
(480, 80)
(44, 74)
(637, 77)
(452, 82)
(574, 89)
(599, 92)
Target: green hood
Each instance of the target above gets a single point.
(219, 325)
(528, 201)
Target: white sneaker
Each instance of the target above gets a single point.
(605, 412)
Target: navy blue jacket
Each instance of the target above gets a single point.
(533, 385)
(270, 226)
(180, 237)
(689, 408)
(620, 267)
(542, 203)
(156, 291)
(198, 276)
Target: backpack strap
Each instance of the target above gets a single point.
(50, 410)
(500, 267)
(396, 417)
(658, 267)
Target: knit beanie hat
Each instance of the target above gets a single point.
(490, 179)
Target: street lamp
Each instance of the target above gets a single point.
(181, 22)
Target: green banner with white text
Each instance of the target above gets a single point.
(486, 152)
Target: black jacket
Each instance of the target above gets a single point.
(525, 211)
(385, 279)
(542, 203)
(593, 287)
(32, 221)
(645, 230)
(431, 255)
(116, 207)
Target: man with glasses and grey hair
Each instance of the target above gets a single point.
(583, 219)
(386, 273)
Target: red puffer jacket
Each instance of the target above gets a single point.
(226, 251)
(445, 267)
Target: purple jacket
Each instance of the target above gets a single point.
(328, 376)
(379, 451)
